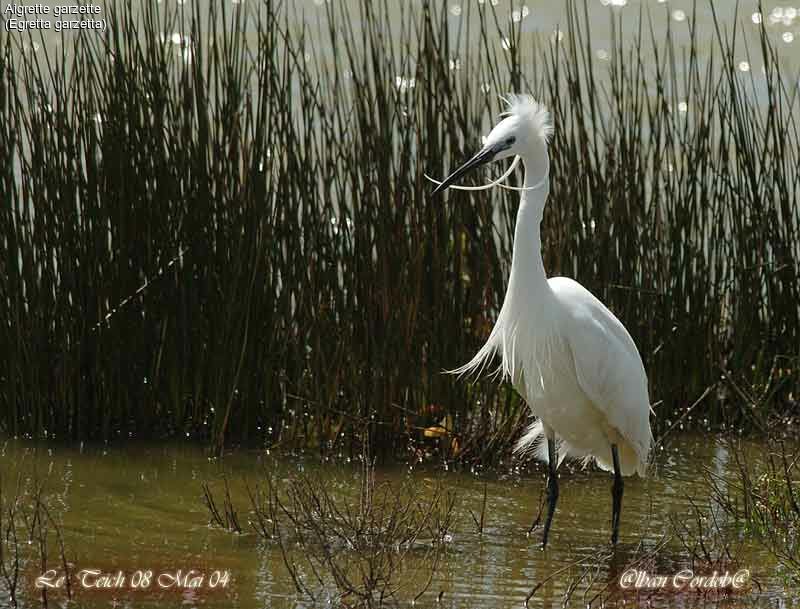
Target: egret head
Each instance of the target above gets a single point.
(523, 131)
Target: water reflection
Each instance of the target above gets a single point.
(523, 25)
(127, 508)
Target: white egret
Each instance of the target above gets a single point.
(567, 355)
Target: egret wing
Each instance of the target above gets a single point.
(608, 367)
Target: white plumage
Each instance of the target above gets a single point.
(569, 357)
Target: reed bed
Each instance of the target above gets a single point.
(215, 223)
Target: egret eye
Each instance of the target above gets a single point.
(510, 140)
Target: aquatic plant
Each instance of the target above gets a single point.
(349, 551)
(763, 500)
(214, 224)
(31, 540)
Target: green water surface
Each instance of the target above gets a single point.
(139, 509)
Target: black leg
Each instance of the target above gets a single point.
(552, 488)
(616, 495)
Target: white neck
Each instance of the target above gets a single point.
(528, 309)
(527, 267)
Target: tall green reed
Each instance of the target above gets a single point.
(215, 223)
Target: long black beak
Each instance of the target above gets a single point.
(483, 157)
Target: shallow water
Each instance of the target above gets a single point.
(140, 508)
(535, 18)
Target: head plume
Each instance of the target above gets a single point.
(528, 109)
(523, 133)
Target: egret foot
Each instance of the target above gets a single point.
(616, 496)
(552, 488)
